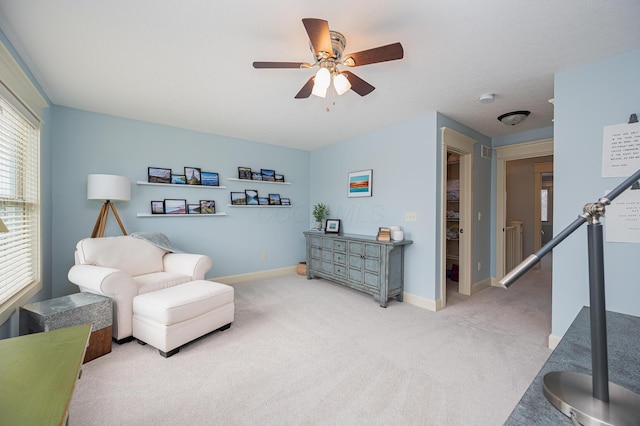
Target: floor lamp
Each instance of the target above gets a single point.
(108, 188)
(588, 400)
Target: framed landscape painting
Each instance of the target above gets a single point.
(210, 179)
(360, 183)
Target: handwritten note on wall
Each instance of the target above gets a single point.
(621, 150)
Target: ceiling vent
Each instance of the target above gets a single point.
(487, 152)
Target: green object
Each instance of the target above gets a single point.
(320, 212)
(38, 373)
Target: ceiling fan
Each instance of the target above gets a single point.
(327, 47)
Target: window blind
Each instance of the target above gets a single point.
(19, 201)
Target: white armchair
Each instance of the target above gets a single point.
(124, 267)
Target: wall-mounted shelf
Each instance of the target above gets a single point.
(142, 182)
(259, 206)
(180, 215)
(258, 181)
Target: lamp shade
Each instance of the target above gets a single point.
(108, 187)
(341, 84)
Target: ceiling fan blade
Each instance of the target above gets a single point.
(281, 65)
(358, 85)
(318, 31)
(305, 92)
(390, 52)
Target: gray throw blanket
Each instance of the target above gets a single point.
(158, 239)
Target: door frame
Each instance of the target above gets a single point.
(520, 151)
(452, 141)
(539, 169)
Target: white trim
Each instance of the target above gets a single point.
(554, 341)
(486, 283)
(420, 302)
(234, 279)
(16, 81)
(503, 154)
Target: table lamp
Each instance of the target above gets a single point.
(108, 188)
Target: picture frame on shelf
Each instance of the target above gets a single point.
(157, 207)
(274, 199)
(279, 177)
(178, 179)
(256, 176)
(193, 208)
(158, 175)
(175, 206)
(268, 175)
(360, 183)
(209, 179)
(263, 201)
(238, 199)
(244, 172)
(207, 207)
(252, 197)
(332, 226)
(193, 175)
(285, 201)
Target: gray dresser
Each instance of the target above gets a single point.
(358, 261)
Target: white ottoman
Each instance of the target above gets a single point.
(169, 318)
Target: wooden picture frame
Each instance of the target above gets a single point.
(252, 197)
(238, 199)
(158, 175)
(244, 172)
(360, 183)
(207, 207)
(193, 208)
(274, 199)
(332, 226)
(209, 179)
(175, 206)
(268, 175)
(157, 207)
(193, 175)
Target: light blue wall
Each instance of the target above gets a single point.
(587, 99)
(406, 178)
(86, 143)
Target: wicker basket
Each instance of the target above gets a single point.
(302, 268)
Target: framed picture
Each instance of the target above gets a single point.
(360, 183)
(159, 175)
(238, 199)
(207, 206)
(172, 206)
(274, 199)
(256, 176)
(193, 175)
(279, 178)
(263, 201)
(244, 172)
(268, 175)
(332, 226)
(178, 179)
(210, 179)
(285, 201)
(193, 208)
(252, 197)
(157, 207)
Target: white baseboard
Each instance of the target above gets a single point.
(233, 279)
(420, 302)
(554, 341)
(476, 287)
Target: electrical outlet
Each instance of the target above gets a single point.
(479, 215)
(264, 256)
(410, 216)
(479, 266)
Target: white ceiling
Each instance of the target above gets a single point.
(187, 63)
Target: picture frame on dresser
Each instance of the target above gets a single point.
(332, 226)
(158, 175)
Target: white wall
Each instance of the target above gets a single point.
(587, 99)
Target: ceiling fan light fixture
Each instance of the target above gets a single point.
(323, 78)
(514, 117)
(319, 91)
(341, 84)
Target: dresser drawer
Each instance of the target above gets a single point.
(340, 258)
(339, 270)
(340, 245)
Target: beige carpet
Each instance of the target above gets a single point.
(316, 353)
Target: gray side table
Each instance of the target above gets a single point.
(74, 309)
